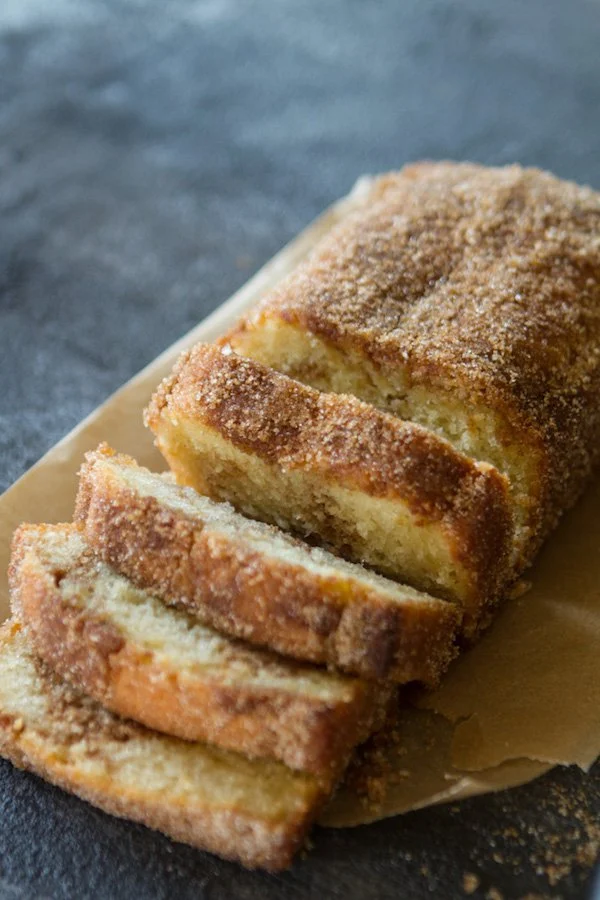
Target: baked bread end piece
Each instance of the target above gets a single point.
(250, 811)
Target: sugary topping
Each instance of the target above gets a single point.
(485, 278)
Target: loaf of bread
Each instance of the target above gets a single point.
(421, 395)
(376, 488)
(466, 299)
(254, 581)
(253, 811)
(156, 665)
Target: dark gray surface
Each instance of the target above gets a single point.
(154, 154)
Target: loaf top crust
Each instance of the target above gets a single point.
(489, 276)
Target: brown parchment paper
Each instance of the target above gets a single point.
(527, 697)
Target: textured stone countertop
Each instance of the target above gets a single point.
(152, 156)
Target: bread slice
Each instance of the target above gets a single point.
(254, 581)
(254, 811)
(465, 299)
(378, 489)
(148, 662)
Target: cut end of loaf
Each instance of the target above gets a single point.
(254, 812)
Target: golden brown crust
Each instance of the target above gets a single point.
(239, 591)
(304, 731)
(347, 442)
(481, 283)
(231, 832)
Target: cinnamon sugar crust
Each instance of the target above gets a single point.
(338, 442)
(464, 287)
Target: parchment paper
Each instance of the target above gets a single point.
(525, 698)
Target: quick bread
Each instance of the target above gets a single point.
(466, 299)
(158, 666)
(377, 489)
(254, 811)
(254, 581)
